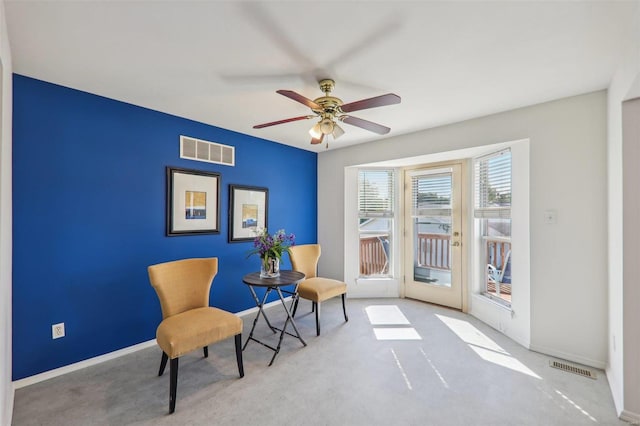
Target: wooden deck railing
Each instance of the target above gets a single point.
(434, 251)
(373, 259)
(497, 251)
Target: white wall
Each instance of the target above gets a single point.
(567, 174)
(625, 84)
(6, 387)
(631, 247)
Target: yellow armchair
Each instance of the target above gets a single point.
(189, 323)
(304, 258)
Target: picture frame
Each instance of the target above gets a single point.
(248, 211)
(193, 202)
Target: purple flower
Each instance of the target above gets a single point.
(272, 246)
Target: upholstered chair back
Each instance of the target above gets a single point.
(183, 285)
(304, 258)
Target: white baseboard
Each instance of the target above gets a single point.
(569, 357)
(628, 416)
(615, 389)
(111, 355)
(494, 314)
(80, 365)
(9, 407)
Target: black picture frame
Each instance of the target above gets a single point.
(193, 202)
(248, 212)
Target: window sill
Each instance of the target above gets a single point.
(372, 278)
(496, 300)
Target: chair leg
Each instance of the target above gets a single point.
(163, 363)
(313, 306)
(239, 354)
(317, 306)
(206, 351)
(173, 384)
(344, 308)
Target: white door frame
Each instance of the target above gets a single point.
(464, 187)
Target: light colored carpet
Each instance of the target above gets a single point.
(459, 372)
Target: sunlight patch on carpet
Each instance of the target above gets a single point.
(386, 315)
(407, 333)
(485, 347)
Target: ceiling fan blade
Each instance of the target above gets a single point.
(286, 120)
(364, 124)
(299, 98)
(315, 141)
(378, 101)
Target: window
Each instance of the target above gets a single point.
(492, 209)
(375, 224)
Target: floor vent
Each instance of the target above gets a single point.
(209, 152)
(572, 369)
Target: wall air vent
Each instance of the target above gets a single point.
(209, 152)
(573, 369)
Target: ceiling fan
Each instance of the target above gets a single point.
(329, 109)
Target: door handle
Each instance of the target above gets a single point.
(456, 244)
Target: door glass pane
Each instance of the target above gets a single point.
(432, 245)
(432, 216)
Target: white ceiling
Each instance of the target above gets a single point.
(220, 62)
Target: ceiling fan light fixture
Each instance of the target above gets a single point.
(337, 131)
(315, 131)
(326, 126)
(329, 109)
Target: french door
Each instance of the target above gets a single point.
(433, 230)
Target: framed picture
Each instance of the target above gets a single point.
(193, 202)
(248, 207)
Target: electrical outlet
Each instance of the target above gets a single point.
(57, 330)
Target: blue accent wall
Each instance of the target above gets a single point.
(89, 217)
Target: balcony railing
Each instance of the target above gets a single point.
(373, 258)
(434, 251)
(498, 252)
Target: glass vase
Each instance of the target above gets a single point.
(269, 267)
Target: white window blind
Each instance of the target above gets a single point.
(375, 193)
(493, 186)
(431, 193)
